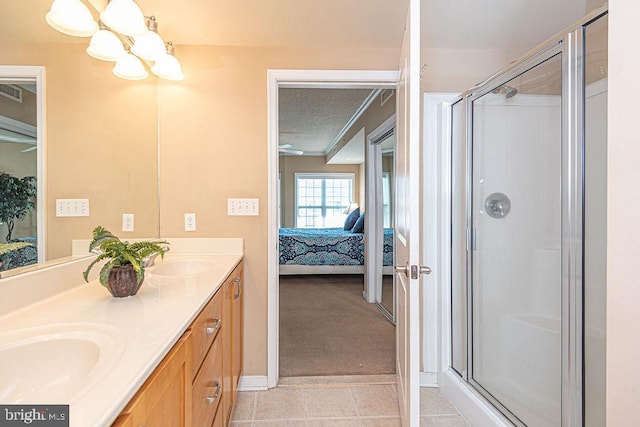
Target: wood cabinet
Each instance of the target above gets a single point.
(165, 398)
(196, 384)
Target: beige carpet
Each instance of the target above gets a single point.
(327, 328)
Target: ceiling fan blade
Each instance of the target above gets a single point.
(290, 151)
(26, 150)
(285, 146)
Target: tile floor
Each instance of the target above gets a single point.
(339, 402)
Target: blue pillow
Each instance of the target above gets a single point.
(358, 227)
(351, 219)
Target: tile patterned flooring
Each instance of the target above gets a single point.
(339, 402)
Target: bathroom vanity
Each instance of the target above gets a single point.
(169, 356)
(196, 384)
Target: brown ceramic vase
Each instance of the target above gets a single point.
(123, 281)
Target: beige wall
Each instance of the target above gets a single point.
(455, 70)
(623, 224)
(101, 142)
(290, 165)
(213, 146)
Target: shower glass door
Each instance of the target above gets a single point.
(515, 351)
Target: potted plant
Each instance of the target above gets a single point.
(16, 199)
(123, 273)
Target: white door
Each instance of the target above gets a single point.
(407, 232)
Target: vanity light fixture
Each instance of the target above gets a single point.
(105, 45)
(124, 35)
(167, 66)
(71, 17)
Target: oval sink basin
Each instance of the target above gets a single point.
(52, 364)
(183, 267)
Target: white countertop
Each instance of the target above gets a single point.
(139, 332)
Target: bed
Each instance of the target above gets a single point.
(327, 251)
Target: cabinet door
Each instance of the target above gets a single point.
(232, 335)
(227, 332)
(236, 337)
(165, 398)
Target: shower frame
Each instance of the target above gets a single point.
(569, 43)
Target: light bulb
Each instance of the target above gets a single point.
(125, 17)
(150, 45)
(167, 66)
(105, 46)
(71, 17)
(129, 67)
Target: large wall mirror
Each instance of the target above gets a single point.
(97, 139)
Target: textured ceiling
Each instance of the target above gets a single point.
(310, 119)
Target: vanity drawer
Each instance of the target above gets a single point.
(207, 387)
(205, 329)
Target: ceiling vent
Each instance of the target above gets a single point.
(11, 92)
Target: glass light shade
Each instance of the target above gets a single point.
(71, 17)
(125, 17)
(149, 46)
(106, 46)
(168, 67)
(129, 67)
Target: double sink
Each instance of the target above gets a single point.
(57, 363)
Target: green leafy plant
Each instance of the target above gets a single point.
(17, 197)
(119, 253)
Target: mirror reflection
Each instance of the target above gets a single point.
(18, 174)
(387, 302)
(99, 141)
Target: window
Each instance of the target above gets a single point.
(321, 199)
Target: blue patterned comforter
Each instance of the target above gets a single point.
(328, 246)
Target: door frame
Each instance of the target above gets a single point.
(297, 79)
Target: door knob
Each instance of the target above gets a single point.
(425, 270)
(402, 269)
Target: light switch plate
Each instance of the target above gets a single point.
(127, 222)
(72, 207)
(243, 207)
(190, 222)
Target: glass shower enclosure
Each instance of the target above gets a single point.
(528, 252)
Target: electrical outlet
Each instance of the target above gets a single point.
(127, 222)
(243, 207)
(72, 207)
(190, 222)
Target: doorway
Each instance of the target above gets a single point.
(297, 79)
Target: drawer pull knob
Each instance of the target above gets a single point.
(212, 329)
(211, 399)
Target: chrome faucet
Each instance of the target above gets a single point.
(149, 261)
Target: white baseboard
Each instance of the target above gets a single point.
(253, 383)
(428, 379)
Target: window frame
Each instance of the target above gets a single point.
(321, 175)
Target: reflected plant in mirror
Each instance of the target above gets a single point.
(17, 199)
